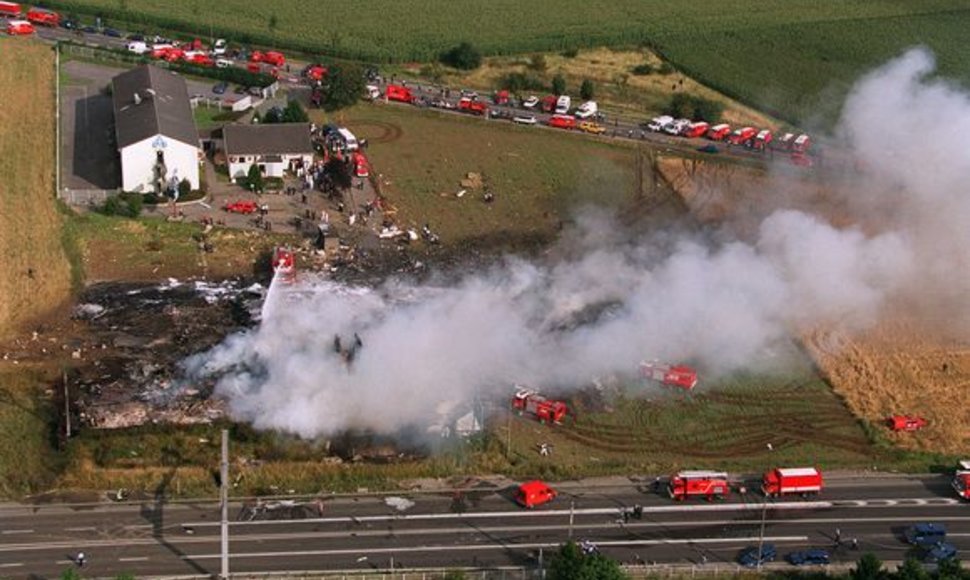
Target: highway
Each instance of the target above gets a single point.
(483, 529)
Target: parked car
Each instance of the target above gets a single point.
(940, 552)
(467, 94)
(591, 127)
(925, 534)
(524, 119)
(749, 557)
(135, 37)
(815, 556)
(531, 102)
(220, 88)
(113, 33)
(89, 30)
(69, 24)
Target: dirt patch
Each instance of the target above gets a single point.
(378, 131)
(34, 273)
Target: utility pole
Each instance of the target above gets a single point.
(67, 408)
(761, 535)
(57, 123)
(224, 497)
(508, 439)
(572, 508)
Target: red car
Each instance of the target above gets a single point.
(534, 493)
(906, 422)
(243, 207)
(562, 121)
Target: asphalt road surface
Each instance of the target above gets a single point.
(483, 528)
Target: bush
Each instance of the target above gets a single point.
(683, 105)
(254, 179)
(643, 69)
(185, 188)
(538, 63)
(518, 82)
(665, 68)
(294, 113)
(464, 57)
(126, 204)
(570, 53)
(558, 85)
(587, 90)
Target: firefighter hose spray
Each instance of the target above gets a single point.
(419, 349)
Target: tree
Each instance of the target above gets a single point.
(538, 63)
(70, 574)
(185, 188)
(464, 57)
(869, 567)
(344, 86)
(911, 569)
(254, 179)
(950, 569)
(587, 90)
(694, 108)
(294, 113)
(558, 85)
(569, 563)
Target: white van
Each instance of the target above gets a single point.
(563, 104)
(660, 123)
(350, 141)
(220, 47)
(137, 47)
(587, 110)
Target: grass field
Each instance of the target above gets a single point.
(538, 176)
(784, 56)
(34, 274)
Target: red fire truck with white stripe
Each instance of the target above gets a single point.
(961, 480)
(671, 375)
(710, 485)
(543, 409)
(792, 480)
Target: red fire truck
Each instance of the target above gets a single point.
(710, 485)
(545, 410)
(284, 264)
(674, 376)
(43, 17)
(792, 480)
(398, 93)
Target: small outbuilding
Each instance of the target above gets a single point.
(275, 148)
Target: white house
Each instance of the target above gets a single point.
(155, 131)
(275, 148)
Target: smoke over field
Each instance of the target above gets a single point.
(408, 351)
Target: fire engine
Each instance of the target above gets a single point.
(707, 484)
(961, 480)
(545, 410)
(284, 264)
(792, 480)
(906, 423)
(674, 376)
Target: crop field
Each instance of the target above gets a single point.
(784, 56)
(34, 274)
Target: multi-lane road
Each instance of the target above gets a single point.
(483, 529)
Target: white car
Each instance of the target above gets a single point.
(137, 47)
(531, 102)
(587, 110)
(660, 123)
(677, 127)
(466, 94)
(220, 47)
(524, 119)
(223, 63)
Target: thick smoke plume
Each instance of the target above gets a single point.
(617, 301)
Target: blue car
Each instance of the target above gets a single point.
(940, 552)
(815, 556)
(749, 556)
(925, 534)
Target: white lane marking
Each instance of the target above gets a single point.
(5, 532)
(613, 511)
(63, 561)
(133, 559)
(82, 529)
(14, 565)
(494, 546)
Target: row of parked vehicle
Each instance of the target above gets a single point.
(750, 137)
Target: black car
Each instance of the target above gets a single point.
(220, 88)
(89, 30)
(111, 32)
(136, 37)
(814, 556)
(69, 24)
(749, 556)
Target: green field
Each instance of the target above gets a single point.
(780, 55)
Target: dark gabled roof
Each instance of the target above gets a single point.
(270, 139)
(162, 106)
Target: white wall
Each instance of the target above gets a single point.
(138, 159)
(240, 169)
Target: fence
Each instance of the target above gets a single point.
(85, 197)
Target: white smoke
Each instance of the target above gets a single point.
(720, 306)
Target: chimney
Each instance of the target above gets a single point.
(137, 98)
